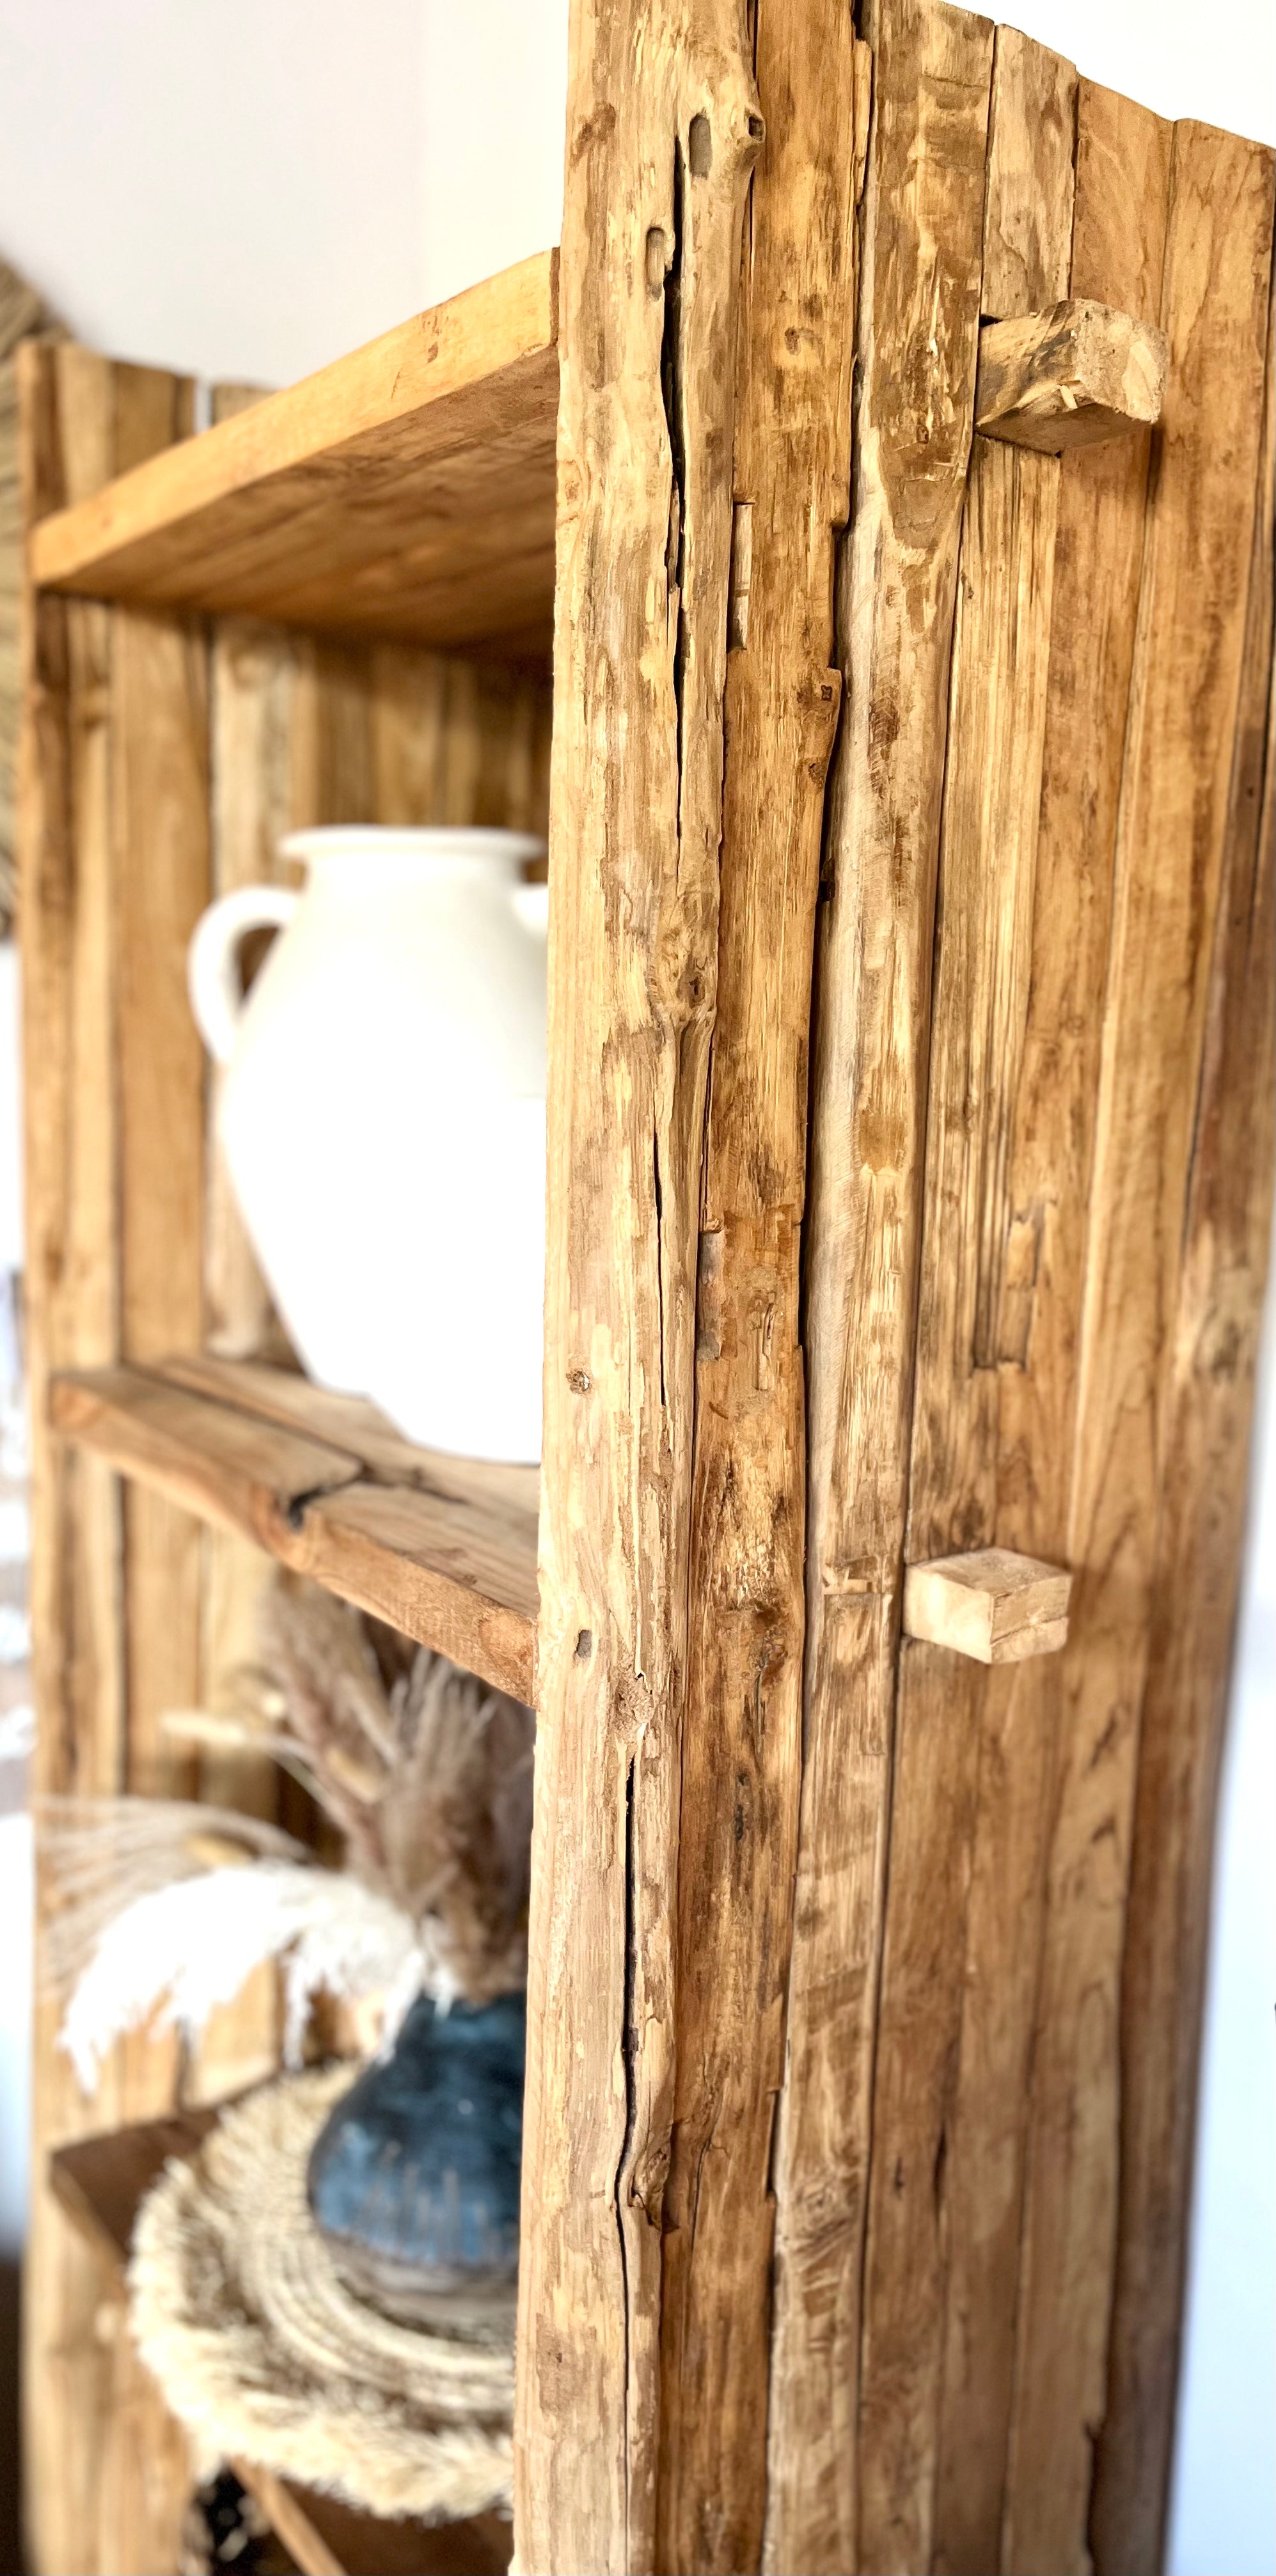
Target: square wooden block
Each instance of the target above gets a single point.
(991, 1604)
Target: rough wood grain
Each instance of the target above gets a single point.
(446, 1559)
(1071, 377)
(1170, 844)
(82, 420)
(983, 948)
(1205, 1443)
(662, 130)
(917, 333)
(407, 490)
(741, 1769)
(991, 1603)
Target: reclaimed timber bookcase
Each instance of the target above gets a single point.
(910, 1176)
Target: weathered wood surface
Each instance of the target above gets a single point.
(742, 1750)
(1171, 837)
(439, 1549)
(1207, 1413)
(991, 1603)
(917, 335)
(662, 130)
(1070, 377)
(86, 1124)
(952, 2040)
(406, 490)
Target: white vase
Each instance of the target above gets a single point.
(383, 1119)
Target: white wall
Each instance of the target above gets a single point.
(248, 187)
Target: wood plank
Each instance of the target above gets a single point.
(917, 333)
(741, 1771)
(1118, 235)
(1071, 377)
(377, 495)
(987, 866)
(82, 420)
(662, 128)
(1200, 1544)
(437, 1563)
(1171, 834)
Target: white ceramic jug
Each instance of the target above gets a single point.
(383, 1118)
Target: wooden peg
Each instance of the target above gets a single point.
(1069, 377)
(991, 1604)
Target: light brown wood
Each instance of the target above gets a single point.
(918, 322)
(1071, 377)
(1171, 834)
(992, 1604)
(447, 1558)
(405, 491)
(1208, 1411)
(741, 1769)
(662, 130)
(82, 420)
(992, 791)
(1118, 234)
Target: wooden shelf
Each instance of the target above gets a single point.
(100, 2183)
(406, 491)
(443, 1548)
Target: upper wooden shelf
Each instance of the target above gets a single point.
(442, 1548)
(406, 491)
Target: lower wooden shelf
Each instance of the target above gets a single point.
(100, 2183)
(443, 1548)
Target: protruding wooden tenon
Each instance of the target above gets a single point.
(1069, 377)
(992, 1605)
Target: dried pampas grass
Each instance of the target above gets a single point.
(176, 1954)
(165, 1907)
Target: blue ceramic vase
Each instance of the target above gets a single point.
(414, 2178)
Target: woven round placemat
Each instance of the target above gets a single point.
(239, 2314)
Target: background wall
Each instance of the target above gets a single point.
(246, 188)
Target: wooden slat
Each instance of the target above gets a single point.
(741, 1771)
(82, 420)
(1022, 1431)
(662, 128)
(992, 791)
(442, 1565)
(918, 322)
(1207, 1417)
(407, 490)
(1171, 836)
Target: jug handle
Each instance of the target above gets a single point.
(212, 963)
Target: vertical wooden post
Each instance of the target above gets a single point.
(741, 1768)
(662, 131)
(918, 327)
(93, 1279)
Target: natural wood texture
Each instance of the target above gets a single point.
(1208, 1406)
(405, 491)
(991, 1604)
(23, 312)
(90, 1277)
(444, 1550)
(662, 130)
(741, 1769)
(1171, 837)
(992, 791)
(100, 2183)
(1070, 377)
(917, 332)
